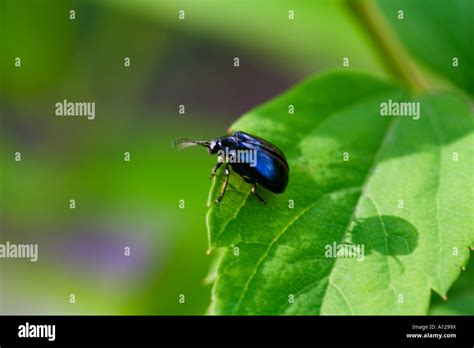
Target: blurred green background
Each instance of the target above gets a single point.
(136, 203)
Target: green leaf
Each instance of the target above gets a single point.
(275, 253)
(460, 299)
(436, 31)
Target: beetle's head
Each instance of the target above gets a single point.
(214, 146)
(221, 144)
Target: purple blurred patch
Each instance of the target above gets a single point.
(99, 252)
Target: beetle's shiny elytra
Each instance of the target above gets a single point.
(270, 168)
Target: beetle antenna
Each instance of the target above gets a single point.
(184, 143)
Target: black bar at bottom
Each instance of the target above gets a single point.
(136, 330)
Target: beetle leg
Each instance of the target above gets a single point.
(227, 174)
(215, 169)
(254, 190)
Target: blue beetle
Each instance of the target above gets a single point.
(255, 159)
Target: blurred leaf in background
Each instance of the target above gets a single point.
(438, 33)
(319, 37)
